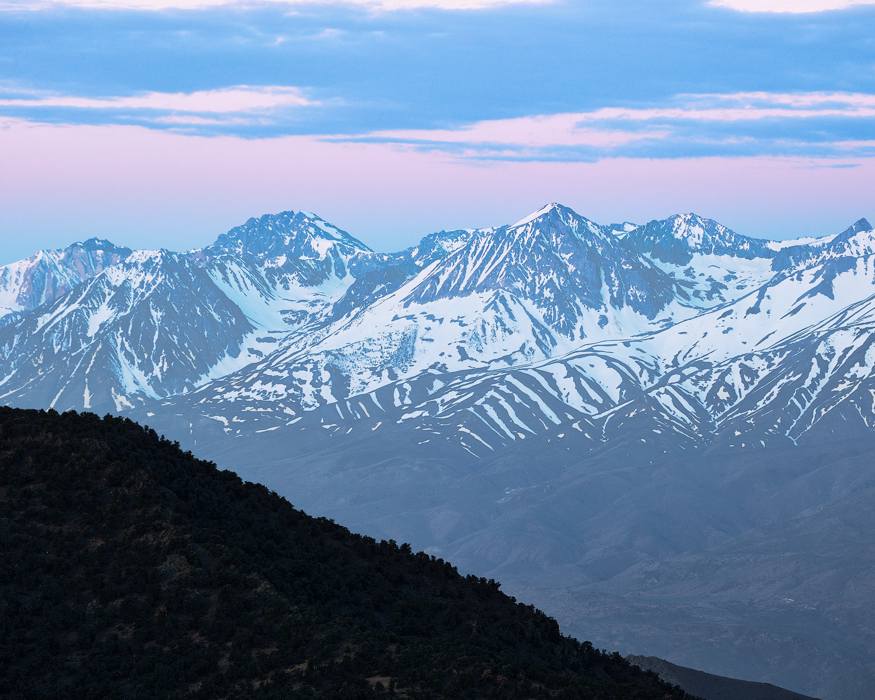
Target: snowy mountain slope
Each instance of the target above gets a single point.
(49, 274)
(772, 364)
(581, 401)
(562, 262)
(679, 237)
(152, 324)
(709, 262)
(290, 268)
(856, 240)
(147, 327)
(820, 377)
(495, 298)
(389, 272)
(276, 279)
(622, 229)
(793, 350)
(737, 374)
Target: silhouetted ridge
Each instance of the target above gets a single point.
(132, 569)
(707, 685)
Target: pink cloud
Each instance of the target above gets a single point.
(536, 132)
(158, 5)
(523, 136)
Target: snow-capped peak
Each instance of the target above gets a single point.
(48, 274)
(543, 211)
(556, 217)
(694, 229)
(288, 232)
(859, 226)
(94, 243)
(858, 240)
(677, 238)
(442, 243)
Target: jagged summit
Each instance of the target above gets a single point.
(558, 262)
(286, 233)
(555, 215)
(546, 210)
(695, 228)
(291, 250)
(49, 274)
(92, 244)
(698, 231)
(859, 226)
(95, 243)
(677, 238)
(441, 243)
(856, 241)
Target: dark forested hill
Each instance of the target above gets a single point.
(131, 569)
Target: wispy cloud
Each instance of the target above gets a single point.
(540, 131)
(745, 123)
(238, 98)
(790, 6)
(224, 108)
(746, 106)
(158, 5)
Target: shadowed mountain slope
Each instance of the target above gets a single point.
(714, 687)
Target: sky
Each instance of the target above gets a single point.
(162, 123)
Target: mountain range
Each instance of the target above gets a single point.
(478, 338)
(605, 417)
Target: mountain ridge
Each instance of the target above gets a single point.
(713, 687)
(306, 293)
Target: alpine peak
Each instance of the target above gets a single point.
(676, 238)
(94, 243)
(861, 225)
(286, 232)
(551, 209)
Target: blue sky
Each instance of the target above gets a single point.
(162, 123)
